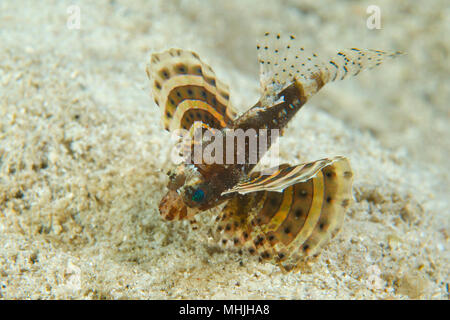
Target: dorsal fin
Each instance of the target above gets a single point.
(282, 62)
(186, 89)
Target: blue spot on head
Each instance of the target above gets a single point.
(198, 196)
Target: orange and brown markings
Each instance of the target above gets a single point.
(181, 82)
(234, 220)
(287, 225)
(192, 115)
(285, 176)
(262, 180)
(296, 217)
(335, 198)
(284, 216)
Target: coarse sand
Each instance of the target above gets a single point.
(83, 154)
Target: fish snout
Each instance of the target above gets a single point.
(172, 207)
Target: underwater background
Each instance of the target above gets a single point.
(83, 155)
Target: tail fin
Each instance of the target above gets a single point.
(283, 61)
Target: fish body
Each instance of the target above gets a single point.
(288, 213)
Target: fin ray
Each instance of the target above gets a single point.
(283, 62)
(186, 89)
(285, 227)
(284, 177)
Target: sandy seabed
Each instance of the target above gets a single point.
(83, 154)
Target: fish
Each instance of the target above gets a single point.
(283, 215)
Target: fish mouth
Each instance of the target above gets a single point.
(172, 207)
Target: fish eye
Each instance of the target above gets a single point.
(198, 195)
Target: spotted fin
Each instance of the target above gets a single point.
(186, 90)
(285, 227)
(283, 62)
(284, 177)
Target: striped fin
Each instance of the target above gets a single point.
(283, 62)
(186, 89)
(285, 227)
(284, 177)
